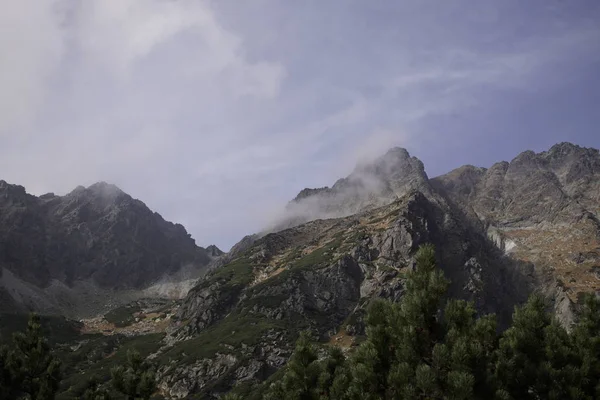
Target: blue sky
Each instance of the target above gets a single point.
(216, 113)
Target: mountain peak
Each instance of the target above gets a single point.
(104, 187)
(385, 162)
(214, 251)
(565, 151)
(371, 184)
(524, 157)
(8, 186)
(564, 147)
(398, 151)
(105, 190)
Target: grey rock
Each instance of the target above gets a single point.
(332, 292)
(181, 381)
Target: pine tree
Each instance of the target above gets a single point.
(414, 351)
(367, 374)
(586, 340)
(302, 372)
(521, 351)
(536, 357)
(275, 391)
(94, 391)
(341, 382)
(301, 378)
(332, 365)
(372, 360)
(462, 361)
(33, 370)
(136, 380)
(416, 329)
(400, 337)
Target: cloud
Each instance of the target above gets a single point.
(28, 60)
(457, 75)
(217, 113)
(377, 143)
(128, 71)
(120, 33)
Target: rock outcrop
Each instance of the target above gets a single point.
(541, 208)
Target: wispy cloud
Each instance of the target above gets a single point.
(217, 113)
(28, 60)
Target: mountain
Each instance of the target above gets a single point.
(240, 322)
(338, 248)
(543, 208)
(76, 254)
(501, 234)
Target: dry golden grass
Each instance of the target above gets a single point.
(269, 272)
(342, 339)
(558, 248)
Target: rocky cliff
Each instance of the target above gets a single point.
(542, 208)
(501, 233)
(76, 253)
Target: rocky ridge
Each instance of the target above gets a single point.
(501, 233)
(77, 253)
(542, 208)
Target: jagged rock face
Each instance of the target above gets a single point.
(98, 235)
(553, 186)
(542, 208)
(193, 378)
(321, 276)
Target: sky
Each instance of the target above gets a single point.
(217, 113)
